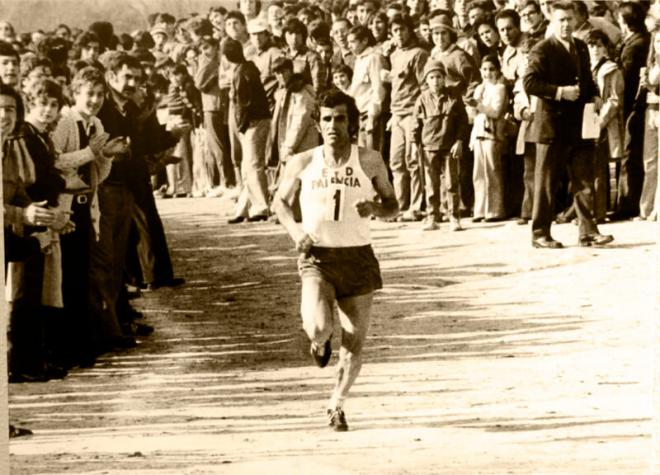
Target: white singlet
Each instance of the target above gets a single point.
(327, 199)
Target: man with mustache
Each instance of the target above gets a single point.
(128, 178)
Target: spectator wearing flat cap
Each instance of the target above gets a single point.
(265, 57)
(252, 119)
(462, 72)
(462, 78)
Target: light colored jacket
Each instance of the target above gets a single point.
(206, 80)
(609, 80)
(492, 102)
(70, 156)
(367, 87)
(293, 121)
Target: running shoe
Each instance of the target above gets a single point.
(321, 360)
(337, 420)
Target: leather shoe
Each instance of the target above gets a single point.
(546, 242)
(522, 221)
(257, 217)
(236, 220)
(173, 282)
(120, 341)
(595, 239)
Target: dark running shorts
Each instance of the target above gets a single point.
(352, 271)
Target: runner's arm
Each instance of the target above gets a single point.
(284, 197)
(385, 204)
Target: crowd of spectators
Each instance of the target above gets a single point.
(96, 124)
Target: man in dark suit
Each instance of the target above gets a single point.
(632, 57)
(559, 74)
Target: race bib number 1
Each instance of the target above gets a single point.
(335, 204)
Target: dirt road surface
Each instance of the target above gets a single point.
(484, 357)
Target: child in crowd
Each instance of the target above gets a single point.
(34, 286)
(439, 126)
(487, 140)
(610, 146)
(341, 78)
(184, 105)
(84, 152)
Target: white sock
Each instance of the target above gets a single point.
(336, 402)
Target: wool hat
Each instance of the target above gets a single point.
(441, 22)
(434, 65)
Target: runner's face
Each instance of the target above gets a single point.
(333, 122)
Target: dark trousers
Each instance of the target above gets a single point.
(152, 251)
(466, 167)
(217, 134)
(109, 255)
(631, 171)
(552, 158)
(441, 174)
(81, 333)
(529, 164)
(27, 319)
(513, 172)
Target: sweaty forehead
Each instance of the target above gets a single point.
(333, 111)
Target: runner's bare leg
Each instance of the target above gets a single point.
(316, 308)
(354, 316)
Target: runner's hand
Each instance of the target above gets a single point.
(365, 208)
(304, 244)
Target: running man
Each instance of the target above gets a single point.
(341, 186)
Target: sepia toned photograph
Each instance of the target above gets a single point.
(330, 237)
